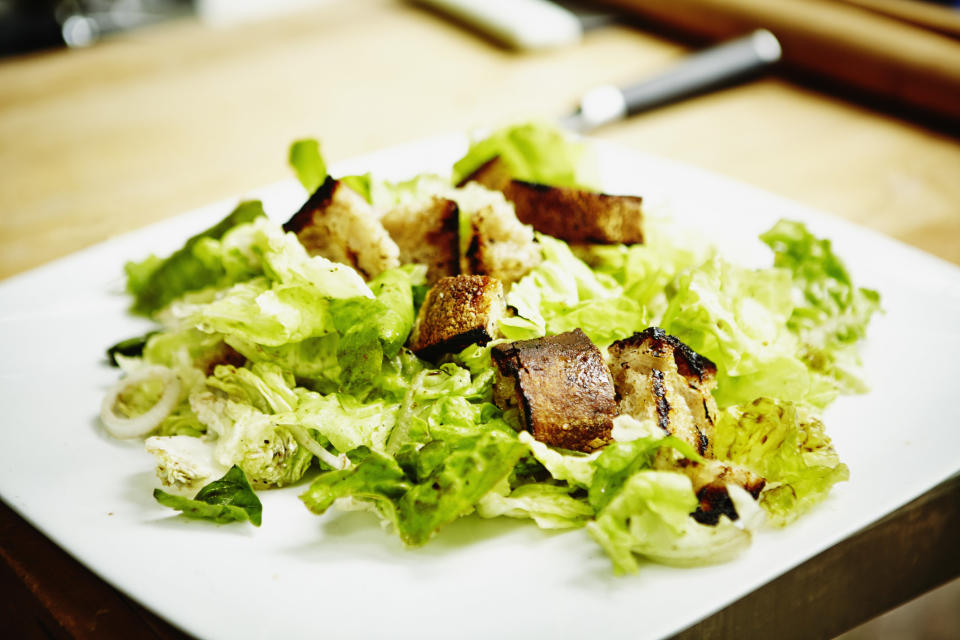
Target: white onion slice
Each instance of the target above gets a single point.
(138, 426)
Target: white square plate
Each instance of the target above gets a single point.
(340, 575)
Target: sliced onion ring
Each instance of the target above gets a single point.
(141, 425)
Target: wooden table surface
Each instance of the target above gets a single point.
(101, 141)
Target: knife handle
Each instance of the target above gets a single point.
(706, 70)
(700, 72)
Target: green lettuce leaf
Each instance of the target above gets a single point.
(373, 329)
(645, 271)
(263, 313)
(550, 506)
(575, 468)
(308, 164)
(737, 318)
(792, 451)
(831, 315)
(618, 461)
(255, 440)
(347, 423)
(265, 386)
(385, 194)
(422, 489)
(562, 293)
(535, 152)
(229, 499)
(649, 515)
(155, 283)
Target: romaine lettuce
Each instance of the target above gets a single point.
(422, 489)
(229, 499)
(535, 152)
(563, 293)
(831, 315)
(155, 283)
(550, 506)
(792, 451)
(280, 359)
(650, 516)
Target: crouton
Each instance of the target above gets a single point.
(561, 386)
(427, 233)
(457, 312)
(338, 224)
(575, 215)
(657, 377)
(499, 245)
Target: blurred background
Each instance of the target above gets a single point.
(118, 113)
(28, 25)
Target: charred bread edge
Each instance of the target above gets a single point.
(318, 200)
(689, 362)
(477, 335)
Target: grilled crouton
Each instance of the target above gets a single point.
(457, 312)
(657, 377)
(427, 233)
(499, 245)
(338, 224)
(574, 215)
(561, 386)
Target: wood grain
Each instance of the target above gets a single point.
(844, 44)
(48, 594)
(898, 558)
(101, 141)
(943, 20)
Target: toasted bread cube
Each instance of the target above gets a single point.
(499, 245)
(338, 224)
(659, 378)
(561, 386)
(575, 215)
(427, 233)
(458, 311)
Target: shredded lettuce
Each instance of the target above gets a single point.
(737, 317)
(535, 152)
(830, 315)
(562, 293)
(650, 516)
(155, 282)
(420, 490)
(619, 461)
(282, 362)
(788, 448)
(229, 499)
(550, 506)
(257, 442)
